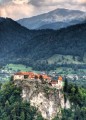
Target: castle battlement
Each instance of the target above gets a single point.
(30, 76)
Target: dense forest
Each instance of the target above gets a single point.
(20, 45)
(33, 48)
(77, 97)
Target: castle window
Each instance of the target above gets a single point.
(25, 76)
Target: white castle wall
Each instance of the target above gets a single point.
(18, 77)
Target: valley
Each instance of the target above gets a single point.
(76, 76)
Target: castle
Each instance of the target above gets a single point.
(30, 76)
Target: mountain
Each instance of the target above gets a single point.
(56, 19)
(59, 25)
(2, 19)
(20, 45)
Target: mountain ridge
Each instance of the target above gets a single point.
(20, 45)
(58, 15)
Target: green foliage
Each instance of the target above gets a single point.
(77, 96)
(34, 48)
(56, 118)
(13, 108)
(67, 114)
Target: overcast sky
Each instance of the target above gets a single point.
(17, 9)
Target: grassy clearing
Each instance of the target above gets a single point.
(18, 67)
(64, 59)
(64, 70)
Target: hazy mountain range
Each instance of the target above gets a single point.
(18, 44)
(56, 19)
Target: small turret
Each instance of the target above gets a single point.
(60, 81)
(60, 78)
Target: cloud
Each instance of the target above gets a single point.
(20, 1)
(16, 11)
(55, 2)
(27, 8)
(81, 1)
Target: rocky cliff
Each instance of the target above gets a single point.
(48, 100)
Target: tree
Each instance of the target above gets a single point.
(65, 85)
(12, 107)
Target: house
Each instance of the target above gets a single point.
(46, 78)
(57, 83)
(24, 75)
(60, 82)
(30, 75)
(54, 83)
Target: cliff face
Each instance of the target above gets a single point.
(46, 99)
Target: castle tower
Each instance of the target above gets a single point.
(60, 81)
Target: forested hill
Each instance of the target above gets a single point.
(17, 42)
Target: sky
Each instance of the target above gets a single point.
(18, 9)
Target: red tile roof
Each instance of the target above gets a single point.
(24, 73)
(46, 77)
(60, 78)
(33, 75)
